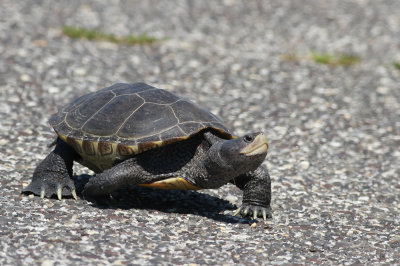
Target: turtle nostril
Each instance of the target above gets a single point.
(248, 138)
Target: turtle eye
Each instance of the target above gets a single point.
(248, 138)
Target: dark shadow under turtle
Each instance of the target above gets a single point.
(166, 201)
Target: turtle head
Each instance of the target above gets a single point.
(239, 155)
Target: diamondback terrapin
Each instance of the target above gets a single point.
(136, 134)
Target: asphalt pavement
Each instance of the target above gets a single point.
(320, 78)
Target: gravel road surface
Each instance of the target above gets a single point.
(333, 129)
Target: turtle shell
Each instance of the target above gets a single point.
(126, 119)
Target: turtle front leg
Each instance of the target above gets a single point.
(256, 186)
(53, 175)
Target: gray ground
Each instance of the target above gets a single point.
(334, 131)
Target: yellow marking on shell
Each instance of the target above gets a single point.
(89, 148)
(104, 148)
(142, 147)
(65, 139)
(62, 137)
(99, 163)
(173, 183)
(134, 148)
(124, 150)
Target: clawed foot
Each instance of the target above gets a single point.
(65, 187)
(247, 210)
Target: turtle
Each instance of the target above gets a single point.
(137, 134)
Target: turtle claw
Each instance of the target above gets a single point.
(42, 193)
(59, 193)
(73, 193)
(236, 213)
(46, 190)
(264, 214)
(253, 212)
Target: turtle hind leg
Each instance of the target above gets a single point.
(53, 175)
(102, 184)
(126, 173)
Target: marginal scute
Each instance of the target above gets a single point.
(56, 119)
(171, 140)
(62, 128)
(78, 134)
(142, 147)
(74, 144)
(224, 133)
(104, 148)
(125, 150)
(220, 128)
(88, 147)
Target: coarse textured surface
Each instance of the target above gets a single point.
(334, 131)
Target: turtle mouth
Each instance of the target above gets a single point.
(257, 147)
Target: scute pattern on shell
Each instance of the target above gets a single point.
(129, 119)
